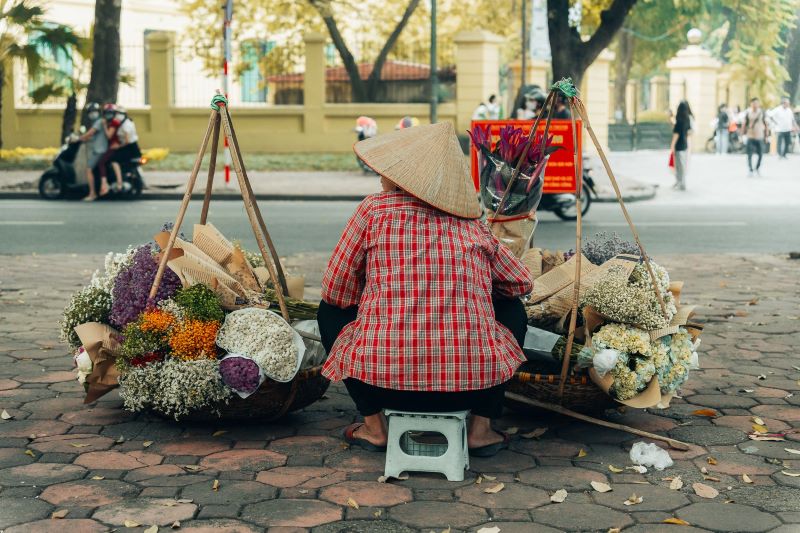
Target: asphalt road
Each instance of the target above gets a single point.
(28, 226)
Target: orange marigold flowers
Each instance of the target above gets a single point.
(194, 339)
(156, 320)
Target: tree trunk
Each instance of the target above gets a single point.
(358, 88)
(733, 19)
(792, 60)
(622, 72)
(571, 56)
(104, 81)
(68, 118)
(373, 82)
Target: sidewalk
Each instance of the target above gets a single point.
(105, 466)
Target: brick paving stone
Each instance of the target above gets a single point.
(727, 517)
(306, 445)
(505, 461)
(219, 511)
(737, 464)
(786, 414)
(15, 511)
(662, 528)
(218, 526)
(49, 377)
(230, 492)
(82, 525)
(149, 511)
(519, 527)
(292, 476)
(97, 416)
(191, 446)
(150, 472)
(708, 435)
(250, 460)
(14, 457)
(745, 423)
(553, 478)
(361, 526)
(513, 496)
(366, 493)
(40, 428)
(296, 513)
(176, 481)
(356, 460)
(653, 498)
(775, 450)
(768, 498)
(113, 460)
(72, 443)
(40, 474)
(547, 447)
(438, 515)
(88, 493)
(580, 517)
(159, 492)
(8, 384)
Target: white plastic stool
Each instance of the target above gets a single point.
(405, 453)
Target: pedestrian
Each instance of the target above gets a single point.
(493, 108)
(98, 145)
(755, 129)
(783, 120)
(421, 306)
(128, 144)
(561, 111)
(481, 112)
(680, 143)
(723, 122)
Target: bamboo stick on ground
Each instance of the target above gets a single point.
(675, 444)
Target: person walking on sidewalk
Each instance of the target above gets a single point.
(755, 129)
(723, 135)
(680, 144)
(783, 120)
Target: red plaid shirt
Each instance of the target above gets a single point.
(423, 281)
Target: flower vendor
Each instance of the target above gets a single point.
(421, 308)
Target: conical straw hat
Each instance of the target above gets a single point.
(427, 162)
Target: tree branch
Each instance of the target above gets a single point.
(611, 21)
(377, 67)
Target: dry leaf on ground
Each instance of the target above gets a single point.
(494, 490)
(487, 477)
(711, 478)
(512, 430)
(176, 525)
(614, 469)
(192, 468)
(184, 500)
(493, 529)
(759, 428)
(746, 478)
(147, 443)
(169, 503)
(711, 460)
(634, 500)
(790, 474)
(676, 521)
(637, 468)
(676, 483)
(151, 529)
(219, 433)
(765, 438)
(705, 491)
(378, 513)
(215, 485)
(614, 530)
(581, 453)
(601, 487)
(30, 452)
(705, 412)
(131, 523)
(559, 496)
(535, 434)
(448, 530)
(97, 478)
(792, 451)
(78, 445)
(759, 421)
(352, 503)
(61, 513)
(5, 415)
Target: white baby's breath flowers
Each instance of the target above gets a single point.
(263, 336)
(114, 263)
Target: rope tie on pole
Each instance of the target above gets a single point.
(218, 101)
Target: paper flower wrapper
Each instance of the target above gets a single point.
(100, 342)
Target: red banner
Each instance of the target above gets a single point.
(559, 176)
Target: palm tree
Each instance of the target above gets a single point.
(24, 35)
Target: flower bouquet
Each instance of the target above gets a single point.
(206, 336)
(511, 211)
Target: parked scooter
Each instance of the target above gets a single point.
(565, 206)
(366, 128)
(66, 177)
(735, 142)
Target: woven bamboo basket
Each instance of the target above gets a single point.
(580, 394)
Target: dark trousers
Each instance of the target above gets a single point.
(784, 142)
(370, 399)
(754, 146)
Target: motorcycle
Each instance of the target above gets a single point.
(564, 206)
(735, 143)
(67, 175)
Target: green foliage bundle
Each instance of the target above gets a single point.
(200, 303)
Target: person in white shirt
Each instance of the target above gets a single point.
(784, 124)
(493, 108)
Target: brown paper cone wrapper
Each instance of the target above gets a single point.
(515, 234)
(100, 342)
(532, 259)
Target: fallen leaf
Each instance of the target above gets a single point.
(559, 496)
(493, 529)
(352, 503)
(193, 468)
(215, 485)
(176, 525)
(535, 434)
(184, 500)
(131, 523)
(769, 437)
(169, 503)
(378, 513)
(600, 487)
(494, 490)
(741, 313)
(147, 443)
(581, 453)
(219, 433)
(746, 478)
(77, 445)
(512, 430)
(637, 468)
(61, 513)
(762, 377)
(448, 530)
(676, 521)
(487, 477)
(613, 530)
(711, 478)
(705, 491)
(303, 491)
(792, 450)
(711, 460)
(705, 412)
(151, 529)
(758, 420)
(614, 469)
(119, 440)
(759, 428)
(790, 474)
(97, 478)
(29, 452)
(5, 415)
(703, 470)
(748, 390)
(754, 301)
(676, 483)
(634, 500)
(479, 479)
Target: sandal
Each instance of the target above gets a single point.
(490, 450)
(90, 198)
(350, 439)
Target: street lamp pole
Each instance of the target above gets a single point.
(434, 75)
(227, 17)
(524, 41)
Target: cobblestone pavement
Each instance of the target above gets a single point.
(95, 464)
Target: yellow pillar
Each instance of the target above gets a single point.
(693, 76)
(9, 122)
(478, 68)
(314, 83)
(631, 100)
(538, 72)
(160, 87)
(659, 99)
(596, 94)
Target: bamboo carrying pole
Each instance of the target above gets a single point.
(212, 166)
(675, 444)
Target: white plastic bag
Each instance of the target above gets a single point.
(604, 361)
(315, 352)
(648, 454)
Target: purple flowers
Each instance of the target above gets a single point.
(510, 147)
(132, 287)
(240, 373)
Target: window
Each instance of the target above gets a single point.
(254, 89)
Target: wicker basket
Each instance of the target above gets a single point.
(580, 394)
(271, 401)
